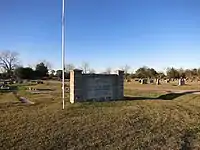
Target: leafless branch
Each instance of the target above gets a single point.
(9, 60)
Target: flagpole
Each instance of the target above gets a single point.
(63, 53)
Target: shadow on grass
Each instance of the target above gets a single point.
(189, 136)
(187, 140)
(130, 98)
(45, 89)
(169, 96)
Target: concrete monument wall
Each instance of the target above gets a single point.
(96, 87)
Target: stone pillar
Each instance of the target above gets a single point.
(120, 84)
(76, 86)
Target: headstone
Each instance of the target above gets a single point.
(40, 82)
(167, 80)
(5, 87)
(128, 80)
(157, 81)
(151, 81)
(143, 81)
(181, 82)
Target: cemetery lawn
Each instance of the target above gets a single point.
(147, 119)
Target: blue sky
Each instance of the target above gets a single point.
(104, 33)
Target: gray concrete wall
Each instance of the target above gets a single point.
(96, 87)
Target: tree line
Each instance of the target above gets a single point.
(11, 68)
(171, 73)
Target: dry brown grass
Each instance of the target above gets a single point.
(136, 124)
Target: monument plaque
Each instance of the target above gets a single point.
(95, 87)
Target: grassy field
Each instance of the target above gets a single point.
(150, 118)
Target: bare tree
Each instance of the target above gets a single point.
(126, 69)
(91, 71)
(85, 67)
(69, 67)
(108, 70)
(9, 60)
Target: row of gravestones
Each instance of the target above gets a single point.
(6, 84)
(4, 87)
(181, 81)
(151, 81)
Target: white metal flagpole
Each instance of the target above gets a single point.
(63, 53)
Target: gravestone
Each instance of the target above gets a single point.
(151, 81)
(96, 87)
(143, 81)
(181, 82)
(39, 82)
(157, 81)
(167, 80)
(5, 87)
